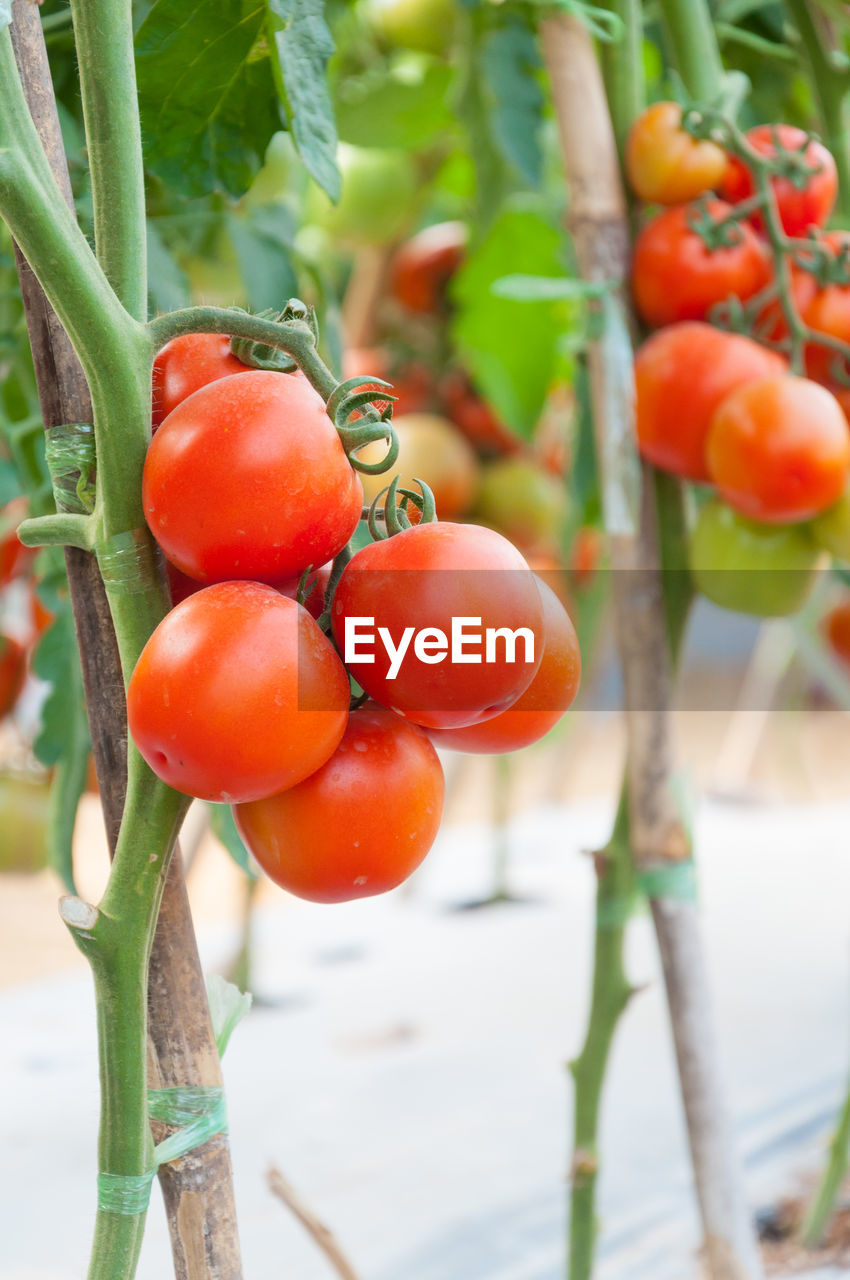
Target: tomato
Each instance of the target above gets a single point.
(825, 309)
(779, 449)
(42, 617)
(761, 569)
(417, 582)
(13, 553)
(524, 502)
(186, 364)
(422, 267)
(675, 277)
(682, 374)
(359, 825)
(586, 553)
(316, 586)
(665, 165)
(474, 417)
(247, 479)
(836, 630)
(423, 25)
(411, 381)
(379, 193)
(431, 450)
(544, 702)
(800, 207)
(13, 671)
(24, 819)
(237, 694)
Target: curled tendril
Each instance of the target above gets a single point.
(261, 356)
(359, 421)
(387, 516)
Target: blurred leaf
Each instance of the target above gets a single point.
(388, 111)
(509, 61)
(206, 93)
(511, 348)
(67, 788)
(301, 47)
(261, 244)
(228, 1006)
(9, 487)
(524, 288)
(224, 829)
(55, 660)
(168, 287)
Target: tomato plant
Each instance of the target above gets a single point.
(343, 833)
(185, 365)
(378, 197)
(422, 25)
(666, 165)
(806, 195)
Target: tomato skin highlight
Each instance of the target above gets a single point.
(544, 702)
(682, 374)
(247, 479)
(675, 277)
(665, 165)
(362, 823)
(422, 267)
(186, 364)
(423, 578)
(799, 208)
(237, 694)
(779, 449)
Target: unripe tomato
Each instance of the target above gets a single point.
(800, 207)
(779, 449)
(761, 569)
(836, 629)
(676, 277)
(13, 673)
(359, 825)
(682, 374)
(379, 189)
(430, 449)
(424, 25)
(186, 364)
(237, 695)
(247, 479)
(665, 164)
(831, 529)
(524, 502)
(474, 416)
(419, 581)
(423, 266)
(544, 702)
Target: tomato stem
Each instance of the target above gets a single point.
(831, 85)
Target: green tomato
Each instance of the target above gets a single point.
(760, 569)
(525, 503)
(23, 822)
(831, 530)
(272, 182)
(378, 201)
(424, 25)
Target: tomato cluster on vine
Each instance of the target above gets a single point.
(243, 694)
(758, 414)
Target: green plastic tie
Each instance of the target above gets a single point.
(124, 1193)
(128, 563)
(70, 453)
(676, 880)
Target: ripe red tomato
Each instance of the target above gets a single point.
(359, 825)
(675, 277)
(586, 554)
(482, 428)
(13, 553)
(421, 580)
(799, 207)
(836, 629)
(779, 449)
(316, 586)
(41, 616)
(237, 694)
(186, 364)
(545, 700)
(682, 374)
(665, 164)
(826, 309)
(247, 479)
(13, 671)
(423, 266)
(429, 449)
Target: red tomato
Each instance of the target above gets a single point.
(799, 207)
(682, 374)
(186, 364)
(247, 479)
(586, 553)
(41, 615)
(474, 417)
(675, 277)
(13, 671)
(237, 694)
(836, 629)
(359, 825)
(411, 381)
(825, 309)
(779, 449)
(13, 553)
(665, 164)
(421, 580)
(539, 709)
(423, 266)
(317, 585)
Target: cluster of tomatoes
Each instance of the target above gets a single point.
(719, 408)
(243, 693)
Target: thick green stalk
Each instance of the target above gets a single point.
(622, 68)
(695, 52)
(831, 85)
(102, 34)
(823, 1203)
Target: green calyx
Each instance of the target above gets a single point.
(388, 517)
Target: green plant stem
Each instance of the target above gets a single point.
(695, 52)
(831, 86)
(823, 1202)
(622, 68)
(103, 35)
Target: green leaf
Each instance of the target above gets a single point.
(55, 660)
(206, 93)
(168, 286)
(224, 829)
(523, 288)
(509, 61)
(9, 487)
(261, 244)
(301, 46)
(395, 111)
(228, 1006)
(512, 348)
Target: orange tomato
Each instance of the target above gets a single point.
(665, 165)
